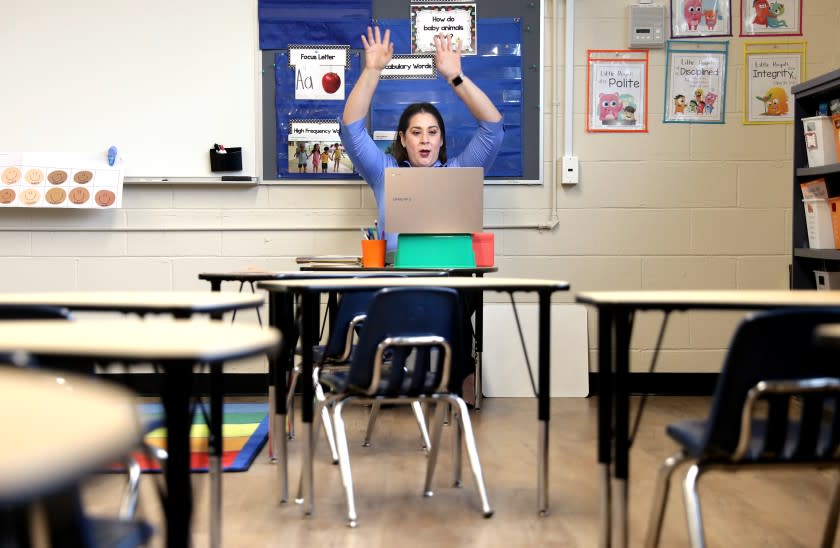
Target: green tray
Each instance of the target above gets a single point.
(434, 251)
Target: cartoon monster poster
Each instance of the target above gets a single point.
(700, 18)
(771, 17)
(617, 91)
(770, 75)
(695, 87)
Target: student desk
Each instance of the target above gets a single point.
(180, 304)
(281, 310)
(616, 310)
(59, 429)
(176, 346)
(310, 291)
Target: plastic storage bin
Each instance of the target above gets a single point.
(834, 207)
(818, 223)
(819, 140)
(434, 251)
(827, 280)
(835, 121)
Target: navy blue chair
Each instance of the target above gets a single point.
(404, 355)
(775, 404)
(334, 357)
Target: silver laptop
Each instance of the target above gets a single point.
(434, 200)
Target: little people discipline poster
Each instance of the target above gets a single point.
(695, 82)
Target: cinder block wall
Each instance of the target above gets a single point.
(683, 206)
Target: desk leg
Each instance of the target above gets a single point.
(215, 448)
(544, 400)
(309, 306)
(623, 322)
(175, 395)
(605, 366)
(479, 347)
(281, 316)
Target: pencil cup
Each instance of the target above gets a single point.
(483, 248)
(373, 253)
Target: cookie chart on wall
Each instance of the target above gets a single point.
(60, 180)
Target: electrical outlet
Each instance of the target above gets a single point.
(571, 170)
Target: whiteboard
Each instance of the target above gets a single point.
(163, 80)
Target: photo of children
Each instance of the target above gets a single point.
(314, 148)
(318, 158)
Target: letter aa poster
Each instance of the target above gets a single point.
(617, 91)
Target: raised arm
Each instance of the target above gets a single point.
(449, 65)
(378, 53)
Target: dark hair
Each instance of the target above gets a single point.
(400, 154)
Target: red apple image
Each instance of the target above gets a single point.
(331, 82)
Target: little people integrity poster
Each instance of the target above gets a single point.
(771, 70)
(695, 82)
(617, 91)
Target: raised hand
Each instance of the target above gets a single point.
(448, 60)
(378, 48)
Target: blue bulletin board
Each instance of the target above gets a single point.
(508, 47)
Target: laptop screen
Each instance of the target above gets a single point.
(434, 200)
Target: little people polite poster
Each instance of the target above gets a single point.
(617, 91)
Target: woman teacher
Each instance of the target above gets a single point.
(421, 134)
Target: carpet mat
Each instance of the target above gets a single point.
(244, 432)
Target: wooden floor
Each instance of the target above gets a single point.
(778, 508)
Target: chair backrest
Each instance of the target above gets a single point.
(33, 312)
(407, 312)
(351, 305)
(775, 346)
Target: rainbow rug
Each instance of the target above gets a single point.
(244, 432)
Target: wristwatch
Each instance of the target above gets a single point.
(457, 81)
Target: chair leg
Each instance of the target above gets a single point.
(660, 498)
(344, 463)
(374, 411)
(271, 412)
(472, 454)
(128, 505)
(692, 507)
(437, 429)
(457, 435)
(326, 422)
(831, 522)
(290, 403)
(421, 422)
